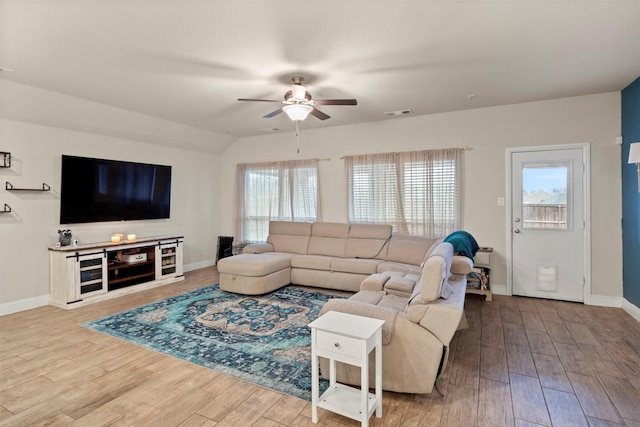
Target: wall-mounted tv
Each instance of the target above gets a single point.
(96, 190)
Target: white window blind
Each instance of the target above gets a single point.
(417, 192)
(282, 191)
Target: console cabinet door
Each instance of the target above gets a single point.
(90, 275)
(168, 260)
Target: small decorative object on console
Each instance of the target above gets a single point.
(64, 237)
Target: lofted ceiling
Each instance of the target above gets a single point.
(188, 61)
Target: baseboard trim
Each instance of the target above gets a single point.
(605, 301)
(632, 309)
(198, 265)
(42, 300)
(23, 304)
(499, 289)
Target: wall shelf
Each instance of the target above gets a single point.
(9, 187)
(6, 209)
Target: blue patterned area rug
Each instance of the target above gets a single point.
(261, 339)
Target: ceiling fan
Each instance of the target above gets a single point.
(299, 103)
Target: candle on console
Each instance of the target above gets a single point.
(115, 238)
(131, 237)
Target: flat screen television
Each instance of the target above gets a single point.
(97, 190)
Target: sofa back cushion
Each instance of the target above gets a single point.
(368, 241)
(435, 272)
(291, 237)
(410, 249)
(328, 238)
(435, 276)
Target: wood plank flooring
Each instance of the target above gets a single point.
(522, 362)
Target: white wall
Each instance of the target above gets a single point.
(488, 132)
(202, 193)
(27, 232)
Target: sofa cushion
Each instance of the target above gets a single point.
(258, 248)
(409, 249)
(398, 267)
(368, 297)
(328, 239)
(292, 237)
(401, 286)
(374, 282)
(313, 262)
(393, 302)
(354, 265)
(254, 265)
(368, 241)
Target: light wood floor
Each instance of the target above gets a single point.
(522, 362)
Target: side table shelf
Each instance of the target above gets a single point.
(479, 280)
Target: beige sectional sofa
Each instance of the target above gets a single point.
(320, 254)
(416, 284)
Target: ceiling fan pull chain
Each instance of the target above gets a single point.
(298, 134)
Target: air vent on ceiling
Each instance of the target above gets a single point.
(399, 112)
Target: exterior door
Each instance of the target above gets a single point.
(548, 222)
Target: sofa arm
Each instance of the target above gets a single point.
(441, 317)
(442, 321)
(258, 248)
(461, 265)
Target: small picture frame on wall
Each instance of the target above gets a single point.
(5, 159)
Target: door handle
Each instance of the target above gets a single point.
(517, 230)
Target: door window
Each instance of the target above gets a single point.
(546, 196)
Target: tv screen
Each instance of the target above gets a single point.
(96, 190)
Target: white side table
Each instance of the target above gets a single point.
(342, 337)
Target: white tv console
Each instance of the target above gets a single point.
(94, 272)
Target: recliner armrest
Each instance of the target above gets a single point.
(258, 248)
(461, 265)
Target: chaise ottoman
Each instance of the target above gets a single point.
(254, 274)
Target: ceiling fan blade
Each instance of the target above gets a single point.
(336, 102)
(273, 114)
(319, 114)
(258, 100)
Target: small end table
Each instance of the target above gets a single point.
(342, 337)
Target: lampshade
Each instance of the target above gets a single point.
(634, 152)
(297, 112)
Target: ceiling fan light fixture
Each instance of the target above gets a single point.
(298, 92)
(297, 112)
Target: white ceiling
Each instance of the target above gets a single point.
(188, 61)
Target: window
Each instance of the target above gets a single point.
(544, 196)
(417, 192)
(283, 191)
